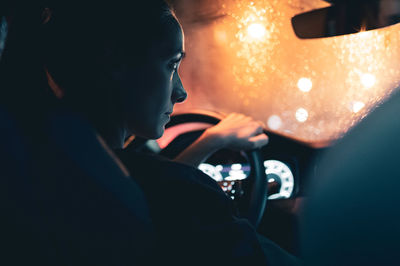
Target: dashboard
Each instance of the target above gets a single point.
(288, 163)
(229, 177)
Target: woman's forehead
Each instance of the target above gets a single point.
(172, 41)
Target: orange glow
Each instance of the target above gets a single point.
(250, 61)
(252, 42)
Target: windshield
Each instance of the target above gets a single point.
(243, 56)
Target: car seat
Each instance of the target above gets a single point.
(352, 215)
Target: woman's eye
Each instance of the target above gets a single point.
(174, 66)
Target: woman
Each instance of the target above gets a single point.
(118, 68)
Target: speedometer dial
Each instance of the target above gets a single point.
(212, 171)
(278, 171)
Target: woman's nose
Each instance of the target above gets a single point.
(179, 94)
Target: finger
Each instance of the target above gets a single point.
(240, 118)
(256, 128)
(259, 141)
(260, 128)
(233, 117)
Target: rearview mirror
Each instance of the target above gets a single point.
(346, 17)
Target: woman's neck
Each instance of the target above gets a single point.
(114, 138)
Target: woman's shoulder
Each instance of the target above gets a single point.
(144, 162)
(142, 165)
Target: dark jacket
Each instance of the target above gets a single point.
(195, 220)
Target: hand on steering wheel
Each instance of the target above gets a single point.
(239, 132)
(235, 132)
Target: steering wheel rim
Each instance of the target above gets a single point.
(253, 202)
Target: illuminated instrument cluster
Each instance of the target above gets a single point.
(230, 178)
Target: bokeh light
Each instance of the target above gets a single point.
(256, 30)
(274, 122)
(356, 106)
(368, 80)
(301, 115)
(304, 84)
(250, 61)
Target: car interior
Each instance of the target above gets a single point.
(272, 60)
(320, 75)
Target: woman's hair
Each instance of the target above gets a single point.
(79, 44)
(85, 39)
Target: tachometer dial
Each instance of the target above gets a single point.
(279, 172)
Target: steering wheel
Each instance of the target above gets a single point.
(252, 203)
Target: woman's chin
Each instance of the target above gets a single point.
(160, 133)
(156, 134)
(149, 132)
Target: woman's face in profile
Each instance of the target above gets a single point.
(150, 91)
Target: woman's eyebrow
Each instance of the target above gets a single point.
(179, 55)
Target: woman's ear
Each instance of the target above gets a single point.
(58, 92)
(46, 15)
